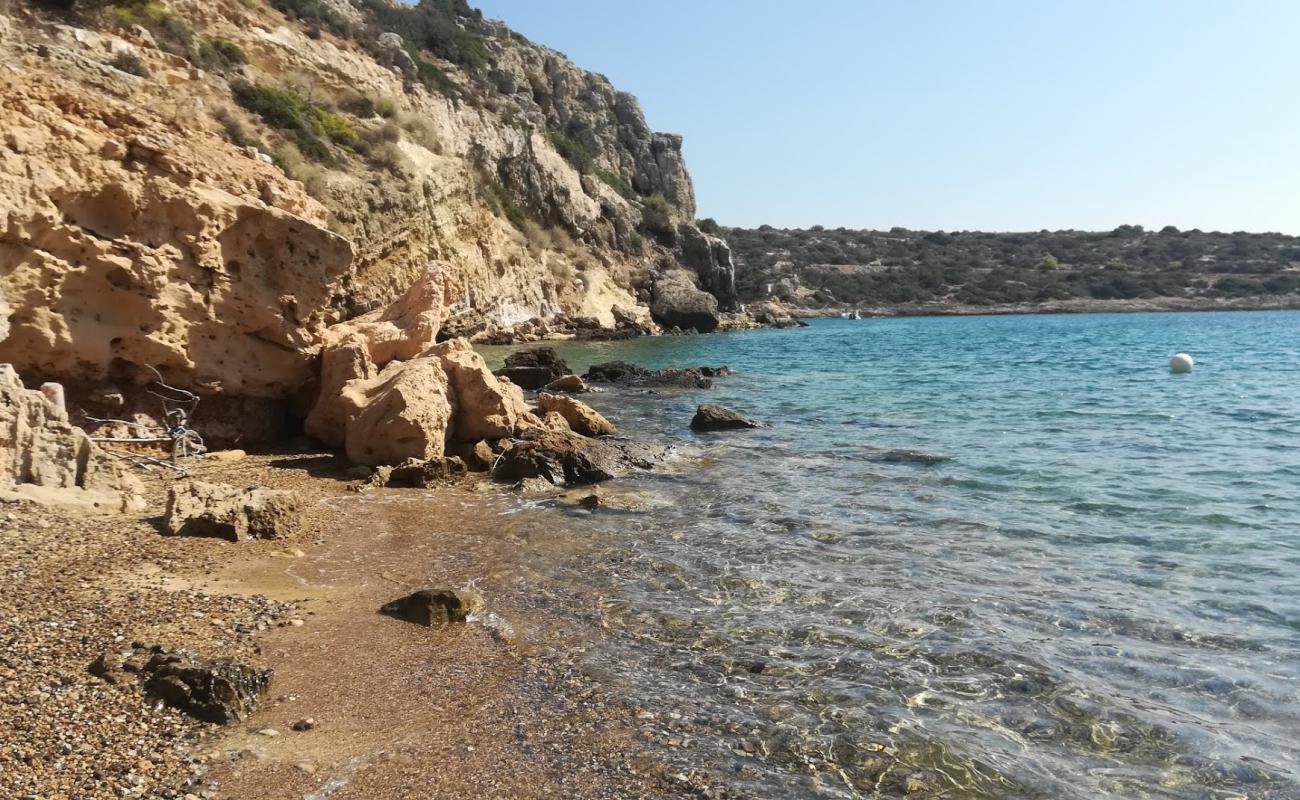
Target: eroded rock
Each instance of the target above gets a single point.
(567, 383)
(416, 474)
(199, 508)
(532, 369)
(404, 412)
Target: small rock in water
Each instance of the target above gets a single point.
(719, 418)
(432, 607)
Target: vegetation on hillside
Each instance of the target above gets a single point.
(901, 267)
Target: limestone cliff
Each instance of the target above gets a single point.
(206, 187)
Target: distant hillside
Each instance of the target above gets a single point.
(818, 267)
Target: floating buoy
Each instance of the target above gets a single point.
(1181, 364)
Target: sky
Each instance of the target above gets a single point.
(939, 114)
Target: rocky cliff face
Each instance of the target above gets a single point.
(206, 187)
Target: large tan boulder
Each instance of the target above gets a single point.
(344, 362)
(404, 412)
(44, 457)
(406, 327)
(581, 417)
(199, 508)
(488, 407)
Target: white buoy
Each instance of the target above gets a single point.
(1181, 364)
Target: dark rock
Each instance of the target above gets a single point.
(624, 374)
(527, 378)
(568, 458)
(719, 418)
(591, 502)
(416, 474)
(303, 725)
(678, 303)
(537, 358)
(212, 690)
(431, 607)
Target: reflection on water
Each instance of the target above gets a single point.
(993, 557)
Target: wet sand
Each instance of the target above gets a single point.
(500, 707)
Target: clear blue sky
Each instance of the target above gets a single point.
(994, 115)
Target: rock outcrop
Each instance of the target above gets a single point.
(200, 508)
(264, 245)
(710, 257)
(532, 369)
(676, 302)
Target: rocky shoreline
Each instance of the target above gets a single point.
(121, 629)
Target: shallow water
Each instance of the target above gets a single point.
(1095, 595)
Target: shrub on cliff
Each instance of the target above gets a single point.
(288, 110)
(657, 214)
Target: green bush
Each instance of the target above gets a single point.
(286, 109)
(502, 202)
(218, 54)
(657, 214)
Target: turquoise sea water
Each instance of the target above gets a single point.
(1097, 594)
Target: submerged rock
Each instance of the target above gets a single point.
(212, 690)
(720, 418)
(580, 417)
(903, 456)
(432, 607)
(199, 508)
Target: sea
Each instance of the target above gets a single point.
(984, 557)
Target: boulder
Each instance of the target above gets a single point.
(199, 508)
(345, 361)
(567, 383)
(527, 378)
(44, 457)
(581, 417)
(217, 691)
(572, 459)
(433, 607)
(405, 412)
(678, 303)
(487, 407)
(719, 418)
(774, 315)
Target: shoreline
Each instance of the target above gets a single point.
(500, 706)
(1152, 306)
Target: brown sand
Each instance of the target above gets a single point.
(499, 707)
